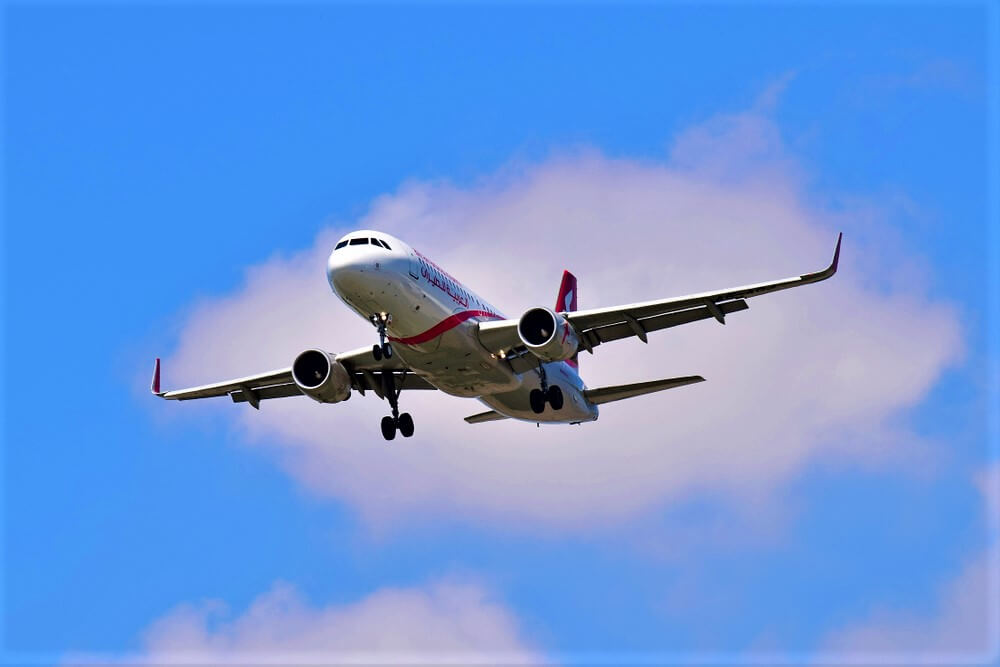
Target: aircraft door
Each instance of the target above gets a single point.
(414, 265)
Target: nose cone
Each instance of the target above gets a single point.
(359, 257)
(344, 269)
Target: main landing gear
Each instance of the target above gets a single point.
(539, 397)
(391, 423)
(383, 349)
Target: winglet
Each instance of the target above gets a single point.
(828, 271)
(836, 254)
(155, 385)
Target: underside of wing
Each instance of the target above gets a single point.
(263, 382)
(360, 372)
(601, 325)
(700, 306)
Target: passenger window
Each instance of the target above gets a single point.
(359, 241)
(341, 245)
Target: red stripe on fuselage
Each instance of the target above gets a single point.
(444, 325)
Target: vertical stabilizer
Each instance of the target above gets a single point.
(566, 303)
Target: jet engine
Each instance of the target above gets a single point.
(548, 336)
(321, 377)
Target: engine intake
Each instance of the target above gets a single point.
(547, 336)
(321, 377)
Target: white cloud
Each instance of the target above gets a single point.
(447, 622)
(825, 370)
(966, 625)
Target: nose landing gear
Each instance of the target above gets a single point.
(391, 423)
(383, 349)
(539, 397)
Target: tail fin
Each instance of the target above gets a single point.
(566, 303)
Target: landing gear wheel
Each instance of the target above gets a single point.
(555, 397)
(537, 400)
(388, 427)
(377, 352)
(387, 350)
(405, 423)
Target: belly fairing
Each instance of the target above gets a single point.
(515, 403)
(459, 366)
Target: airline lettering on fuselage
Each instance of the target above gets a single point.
(440, 279)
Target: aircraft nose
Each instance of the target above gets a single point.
(341, 268)
(347, 267)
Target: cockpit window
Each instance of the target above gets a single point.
(359, 241)
(341, 244)
(384, 244)
(376, 242)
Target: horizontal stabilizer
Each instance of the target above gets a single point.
(490, 416)
(623, 391)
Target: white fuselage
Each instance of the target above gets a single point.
(434, 328)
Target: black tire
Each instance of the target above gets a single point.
(555, 397)
(387, 351)
(377, 352)
(405, 425)
(388, 428)
(537, 400)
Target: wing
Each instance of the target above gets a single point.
(364, 370)
(602, 325)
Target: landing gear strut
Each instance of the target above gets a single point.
(390, 423)
(539, 397)
(383, 349)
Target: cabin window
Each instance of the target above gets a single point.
(359, 241)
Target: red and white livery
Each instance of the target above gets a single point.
(433, 332)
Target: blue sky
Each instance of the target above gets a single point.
(153, 153)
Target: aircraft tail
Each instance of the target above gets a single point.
(566, 302)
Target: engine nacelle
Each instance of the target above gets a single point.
(547, 335)
(321, 377)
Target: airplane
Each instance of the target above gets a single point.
(436, 333)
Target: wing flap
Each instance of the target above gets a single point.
(622, 391)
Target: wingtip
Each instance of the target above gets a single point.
(155, 384)
(836, 253)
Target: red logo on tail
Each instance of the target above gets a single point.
(566, 301)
